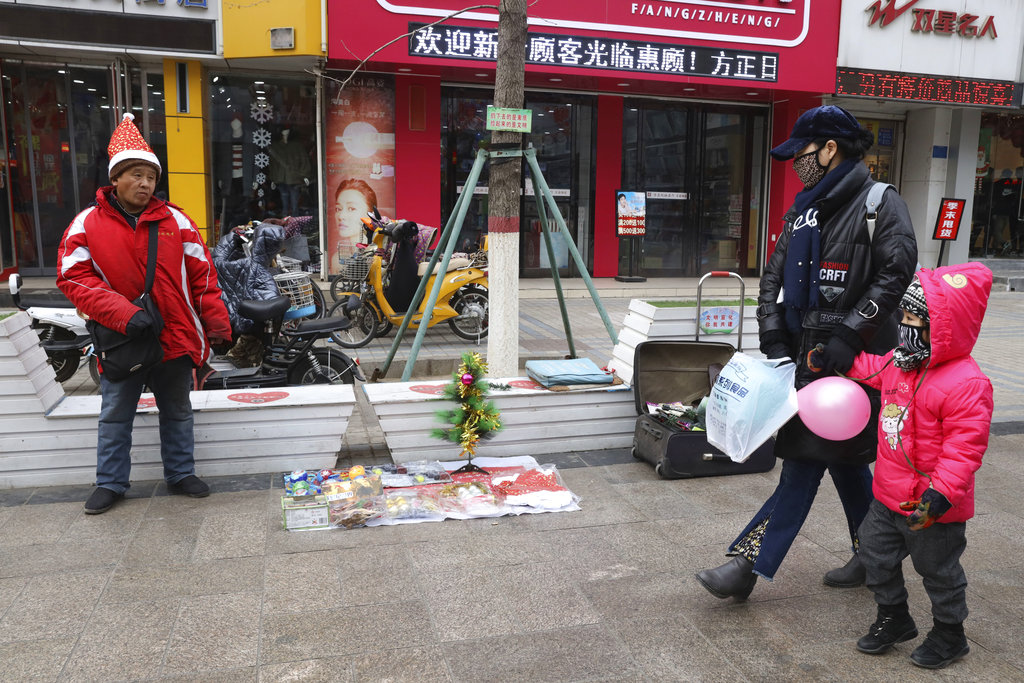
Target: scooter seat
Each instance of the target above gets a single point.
(44, 299)
(331, 324)
(262, 311)
(453, 264)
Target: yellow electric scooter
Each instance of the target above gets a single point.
(462, 299)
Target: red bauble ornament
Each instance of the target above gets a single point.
(467, 379)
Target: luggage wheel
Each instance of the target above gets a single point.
(635, 453)
(659, 470)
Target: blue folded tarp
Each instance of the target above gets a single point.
(551, 373)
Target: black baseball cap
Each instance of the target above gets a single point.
(827, 122)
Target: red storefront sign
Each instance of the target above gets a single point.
(947, 223)
(785, 44)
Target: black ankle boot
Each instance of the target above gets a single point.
(849, 576)
(893, 625)
(944, 644)
(734, 579)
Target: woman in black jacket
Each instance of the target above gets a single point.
(829, 282)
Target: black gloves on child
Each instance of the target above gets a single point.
(927, 510)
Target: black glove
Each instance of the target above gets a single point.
(927, 510)
(774, 344)
(138, 324)
(836, 356)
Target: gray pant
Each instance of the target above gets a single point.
(885, 541)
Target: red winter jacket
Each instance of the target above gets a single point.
(102, 269)
(945, 430)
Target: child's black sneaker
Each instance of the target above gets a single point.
(101, 500)
(893, 625)
(944, 644)
(190, 486)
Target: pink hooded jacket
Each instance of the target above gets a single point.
(944, 432)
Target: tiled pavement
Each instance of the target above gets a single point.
(166, 587)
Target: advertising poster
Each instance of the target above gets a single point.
(630, 212)
(359, 159)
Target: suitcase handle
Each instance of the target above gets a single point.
(743, 301)
(655, 433)
(715, 457)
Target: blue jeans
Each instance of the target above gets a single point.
(170, 383)
(787, 508)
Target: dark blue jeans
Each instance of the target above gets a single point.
(787, 508)
(170, 383)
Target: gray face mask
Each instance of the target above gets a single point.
(809, 169)
(913, 350)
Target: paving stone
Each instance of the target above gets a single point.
(141, 582)
(214, 633)
(325, 670)
(570, 654)
(122, 642)
(47, 609)
(35, 659)
(287, 637)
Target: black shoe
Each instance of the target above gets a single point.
(101, 500)
(190, 486)
(893, 625)
(734, 579)
(944, 644)
(849, 576)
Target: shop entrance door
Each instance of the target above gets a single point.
(702, 167)
(563, 135)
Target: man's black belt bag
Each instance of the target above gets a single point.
(122, 356)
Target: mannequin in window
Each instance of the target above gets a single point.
(289, 170)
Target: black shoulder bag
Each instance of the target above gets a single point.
(122, 356)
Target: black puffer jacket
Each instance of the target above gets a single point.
(244, 277)
(861, 284)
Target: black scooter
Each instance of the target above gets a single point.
(286, 353)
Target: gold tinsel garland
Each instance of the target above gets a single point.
(470, 435)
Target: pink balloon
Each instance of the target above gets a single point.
(834, 408)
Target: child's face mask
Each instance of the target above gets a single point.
(914, 347)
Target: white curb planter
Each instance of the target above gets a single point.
(47, 438)
(645, 321)
(535, 421)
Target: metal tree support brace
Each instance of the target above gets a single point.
(450, 236)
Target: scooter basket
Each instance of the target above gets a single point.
(356, 267)
(299, 288)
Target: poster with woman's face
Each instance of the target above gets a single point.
(360, 160)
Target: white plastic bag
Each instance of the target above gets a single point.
(750, 400)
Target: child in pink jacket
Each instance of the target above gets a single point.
(933, 431)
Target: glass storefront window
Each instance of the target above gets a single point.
(263, 150)
(702, 168)
(883, 157)
(563, 134)
(997, 224)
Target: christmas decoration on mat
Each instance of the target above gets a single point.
(475, 418)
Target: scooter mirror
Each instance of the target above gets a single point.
(14, 283)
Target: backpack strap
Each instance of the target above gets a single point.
(874, 198)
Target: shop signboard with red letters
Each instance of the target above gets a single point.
(947, 223)
(892, 49)
(777, 44)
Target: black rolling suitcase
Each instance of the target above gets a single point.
(683, 371)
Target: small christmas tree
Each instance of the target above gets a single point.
(475, 418)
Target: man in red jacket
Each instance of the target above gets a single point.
(102, 269)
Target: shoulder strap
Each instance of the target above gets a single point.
(151, 259)
(874, 198)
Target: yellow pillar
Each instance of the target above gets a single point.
(188, 174)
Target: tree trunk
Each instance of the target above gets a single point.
(503, 198)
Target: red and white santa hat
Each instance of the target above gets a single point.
(127, 147)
